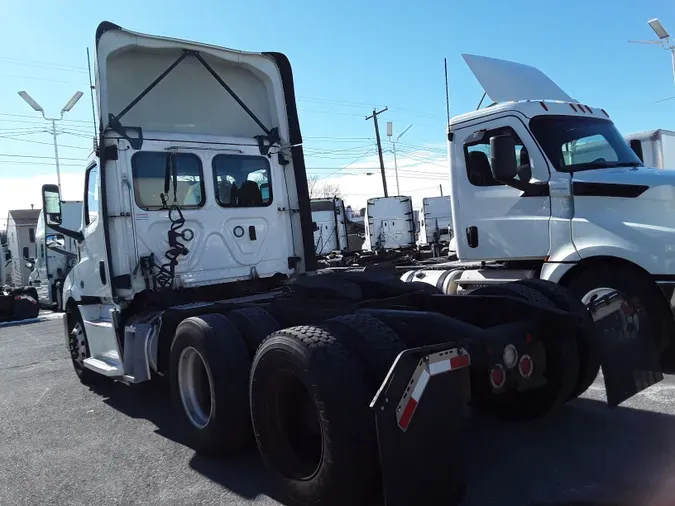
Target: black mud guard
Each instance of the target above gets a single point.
(420, 411)
(629, 359)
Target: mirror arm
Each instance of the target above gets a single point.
(57, 249)
(533, 188)
(73, 234)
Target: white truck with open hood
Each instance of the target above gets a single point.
(546, 187)
(196, 263)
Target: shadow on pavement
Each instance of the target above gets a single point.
(583, 455)
(242, 474)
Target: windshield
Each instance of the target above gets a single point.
(573, 144)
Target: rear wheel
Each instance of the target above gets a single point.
(562, 367)
(564, 299)
(208, 369)
(309, 406)
(254, 324)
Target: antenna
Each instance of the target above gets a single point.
(91, 93)
(447, 92)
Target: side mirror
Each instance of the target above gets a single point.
(55, 241)
(503, 158)
(636, 146)
(51, 204)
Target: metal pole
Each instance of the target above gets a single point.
(379, 150)
(398, 188)
(56, 154)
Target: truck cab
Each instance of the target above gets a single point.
(548, 186)
(197, 184)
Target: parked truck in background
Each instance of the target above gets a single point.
(656, 148)
(389, 223)
(197, 264)
(330, 225)
(435, 230)
(16, 303)
(56, 254)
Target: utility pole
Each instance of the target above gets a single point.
(379, 147)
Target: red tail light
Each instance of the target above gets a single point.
(526, 366)
(497, 376)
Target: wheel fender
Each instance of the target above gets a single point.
(70, 289)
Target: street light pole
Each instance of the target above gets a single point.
(37, 107)
(393, 145)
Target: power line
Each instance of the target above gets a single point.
(12, 155)
(45, 143)
(41, 64)
(34, 118)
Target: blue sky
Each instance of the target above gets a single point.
(348, 57)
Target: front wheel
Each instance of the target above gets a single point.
(79, 349)
(647, 308)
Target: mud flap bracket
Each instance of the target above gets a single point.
(420, 411)
(630, 361)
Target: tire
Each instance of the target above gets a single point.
(655, 316)
(562, 368)
(328, 455)
(564, 299)
(79, 349)
(208, 371)
(254, 324)
(374, 344)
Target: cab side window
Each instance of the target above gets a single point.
(242, 181)
(477, 158)
(91, 211)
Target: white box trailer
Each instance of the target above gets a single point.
(435, 221)
(55, 255)
(330, 225)
(656, 148)
(389, 223)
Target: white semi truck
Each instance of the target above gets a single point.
(656, 148)
(330, 225)
(56, 254)
(389, 223)
(196, 264)
(435, 222)
(545, 187)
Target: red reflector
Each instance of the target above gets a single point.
(459, 361)
(497, 377)
(407, 414)
(528, 338)
(525, 366)
(17, 297)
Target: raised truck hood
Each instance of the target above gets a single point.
(505, 81)
(159, 84)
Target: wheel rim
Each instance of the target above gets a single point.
(630, 314)
(295, 423)
(196, 387)
(78, 345)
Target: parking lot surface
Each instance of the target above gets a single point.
(64, 443)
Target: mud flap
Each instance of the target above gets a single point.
(420, 411)
(630, 361)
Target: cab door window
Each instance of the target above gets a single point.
(477, 158)
(242, 181)
(91, 211)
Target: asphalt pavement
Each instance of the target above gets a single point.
(64, 443)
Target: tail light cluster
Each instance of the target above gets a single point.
(513, 363)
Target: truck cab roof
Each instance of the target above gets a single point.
(532, 108)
